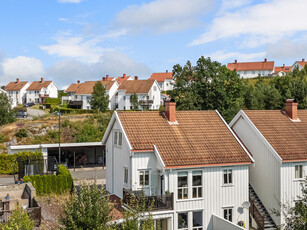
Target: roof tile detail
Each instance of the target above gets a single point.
(14, 86)
(73, 87)
(38, 85)
(137, 86)
(285, 69)
(161, 77)
(250, 66)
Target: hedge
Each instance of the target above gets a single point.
(53, 100)
(60, 183)
(7, 161)
(73, 111)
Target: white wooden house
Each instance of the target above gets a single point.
(277, 140)
(16, 92)
(299, 64)
(38, 91)
(165, 80)
(189, 161)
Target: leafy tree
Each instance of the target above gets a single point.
(99, 101)
(6, 112)
(134, 101)
(19, 220)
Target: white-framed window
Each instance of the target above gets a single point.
(183, 221)
(125, 175)
(227, 176)
(228, 214)
(144, 177)
(298, 171)
(182, 185)
(118, 138)
(198, 220)
(197, 184)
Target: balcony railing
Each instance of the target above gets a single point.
(43, 95)
(152, 203)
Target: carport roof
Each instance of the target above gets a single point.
(83, 144)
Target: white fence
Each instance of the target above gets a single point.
(222, 224)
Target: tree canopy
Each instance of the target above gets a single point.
(6, 112)
(99, 101)
(134, 101)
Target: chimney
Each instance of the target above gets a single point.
(265, 60)
(170, 110)
(303, 60)
(124, 75)
(166, 71)
(17, 80)
(42, 79)
(107, 77)
(78, 81)
(236, 61)
(136, 78)
(283, 65)
(291, 108)
(103, 78)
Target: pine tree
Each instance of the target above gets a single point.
(134, 101)
(99, 101)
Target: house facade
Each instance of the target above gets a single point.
(194, 170)
(252, 69)
(165, 80)
(16, 92)
(123, 78)
(148, 93)
(299, 64)
(282, 70)
(38, 91)
(277, 141)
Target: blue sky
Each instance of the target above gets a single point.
(70, 40)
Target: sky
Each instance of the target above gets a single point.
(70, 40)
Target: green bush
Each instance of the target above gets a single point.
(53, 101)
(21, 133)
(72, 111)
(19, 220)
(7, 161)
(3, 138)
(60, 183)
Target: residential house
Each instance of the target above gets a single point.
(83, 94)
(71, 91)
(188, 162)
(277, 140)
(299, 64)
(252, 69)
(165, 80)
(123, 78)
(16, 92)
(38, 91)
(282, 70)
(148, 92)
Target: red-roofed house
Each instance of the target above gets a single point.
(282, 70)
(16, 92)
(189, 162)
(38, 91)
(252, 69)
(299, 64)
(123, 78)
(165, 80)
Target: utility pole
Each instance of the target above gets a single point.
(59, 135)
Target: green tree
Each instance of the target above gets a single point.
(6, 112)
(134, 101)
(99, 101)
(19, 220)
(89, 208)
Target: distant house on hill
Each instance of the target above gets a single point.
(299, 64)
(123, 78)
(252, 69)
(38, 91)
(16, 92)
(282, 70)
(165, 80)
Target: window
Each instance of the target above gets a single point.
(245, 72)
(298, 171)
(118, 138)
(197, 184)
(155, 88)
(253, 72)
(124, 98)
(115, 138)
(227, 176)
(197, 220)
(182, 185)
(144, 178)
(228, 214)
(183, 221)
(125, 175)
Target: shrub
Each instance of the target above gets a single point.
(21, 133)
(72, 111)
(7, 161)
(3, 138)
(19, 220)
(53, 100)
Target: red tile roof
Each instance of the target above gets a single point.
(137, 86)
(250, 66)
(73, 87)
(285, 69)
(38, 85)
(88, 86)
(14, 86)
(302, 63)
(122, 79)
(160, 77)
(201, 138)
(289, 139)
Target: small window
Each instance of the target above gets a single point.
(182, 185)
(298, 171)
(253, 72)
(197, 220)
(228, 214)
(124, 98)
(120, 138)
(125, 175)
(227, 176)
(197, 184)
(115, 138)
(155, 88)
(144, 178)
(183, 221)
(245, 72)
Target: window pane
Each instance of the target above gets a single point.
(225, 176)
(115, 138)
(196, 180)
(230, 176)
(182, 220)
(230, 214)
(225, 214)
(141, 178)
(182, 181)
(185, 193)
(120, 138)
(197, 219)
(180, 193)
(301, 171)
(296, 171)
(146, 177)
(199, 192)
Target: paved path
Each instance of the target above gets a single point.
(6, 179)
(35, 112)
(88, 173)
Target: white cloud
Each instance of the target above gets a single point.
(286, 49)
(26, 68)
(262, 23)
(70, 1)
(222, 55)
(163, 15)
(63, 19)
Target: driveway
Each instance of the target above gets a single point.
(35, 112)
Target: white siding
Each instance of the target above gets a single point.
(255, 73)
(222, 224)
(265, 173)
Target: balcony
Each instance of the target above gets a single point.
(152, 203)
(43, 95)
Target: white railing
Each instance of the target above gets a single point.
(222, 224)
